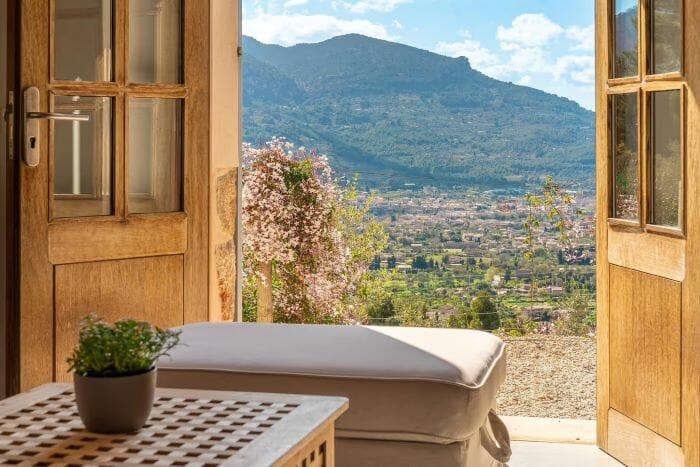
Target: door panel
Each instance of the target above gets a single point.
(647, 188)
(641, 445)
(81, 226)
(645, 351)
(86, 287)
(654, 254)
(75, 242)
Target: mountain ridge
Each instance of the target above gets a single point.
(397, 114)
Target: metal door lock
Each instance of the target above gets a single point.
(32, 133)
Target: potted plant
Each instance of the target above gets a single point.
(115, 373)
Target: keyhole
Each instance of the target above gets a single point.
(32, 142)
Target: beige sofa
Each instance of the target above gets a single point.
(418, 397)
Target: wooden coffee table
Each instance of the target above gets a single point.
(187, 427)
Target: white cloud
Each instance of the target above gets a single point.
(530, 60)
(290, 29)
(397, 24)
(513, 61)
(293, 3)
(527, 31)
(578, 68)
(529, 56)
(527, 41)
(583, 37)
(479, 56)
(363, 6)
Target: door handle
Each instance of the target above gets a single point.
(56, 116)
(32, 134)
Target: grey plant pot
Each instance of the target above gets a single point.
(119, 404)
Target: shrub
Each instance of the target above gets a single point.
(124, 348)
(578, 317)
(484, 308)
(515, 324)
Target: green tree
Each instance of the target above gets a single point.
(579, 313)
(413, 313)
(552, 206)
(419, 262)
(483, 307)
(465, 319)
(515, 325)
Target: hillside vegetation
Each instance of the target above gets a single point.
(397, 114)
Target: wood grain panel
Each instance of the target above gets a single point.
(197, 121)
(36, 278)
(691, 286)
(144, 288)
(645, 350)
(79, 241)
(634, 444)
(651, 253)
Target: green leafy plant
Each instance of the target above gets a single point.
(124, 348)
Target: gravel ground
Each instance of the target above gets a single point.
(549, 376)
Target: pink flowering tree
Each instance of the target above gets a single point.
(308, 239)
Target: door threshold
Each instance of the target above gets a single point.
(551, 430)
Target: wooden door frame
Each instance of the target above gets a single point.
(10, 264)
(690, 331)
(680, 267)
(217, 24)
(222, 144)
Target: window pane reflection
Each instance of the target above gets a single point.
(666, 36)
(82, 179)
(155, 41)
(625, 159)
(666, 158)
(155, 155)
(83, 40)
(626, 38)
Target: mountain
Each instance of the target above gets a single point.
(396, 114)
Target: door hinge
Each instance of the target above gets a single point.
(9, 116)
(239, 51)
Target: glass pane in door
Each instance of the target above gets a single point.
(666, 36)
(625, 156)
(82, 157)
(666, 163)
(155, 41)
(82, 40)
(155, 155)
(625, 38)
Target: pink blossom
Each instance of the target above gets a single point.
(290, 203)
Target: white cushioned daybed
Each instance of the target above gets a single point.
(418, 397)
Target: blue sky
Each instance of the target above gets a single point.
(546, 44)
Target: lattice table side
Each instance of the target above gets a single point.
(199, 428)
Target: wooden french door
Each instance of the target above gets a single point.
(114, 173)
(648, 122)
